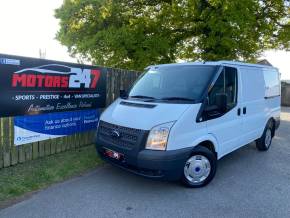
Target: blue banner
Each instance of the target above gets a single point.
(28, 129)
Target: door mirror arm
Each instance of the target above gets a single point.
(201, 113)
(123, 94)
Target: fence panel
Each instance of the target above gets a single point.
(285, 100)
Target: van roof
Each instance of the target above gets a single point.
(222, 62)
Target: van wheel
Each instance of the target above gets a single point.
(264, 143)
(200, 168)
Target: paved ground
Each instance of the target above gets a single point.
(248, 184)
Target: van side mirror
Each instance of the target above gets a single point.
(221, 102)
(123, 93)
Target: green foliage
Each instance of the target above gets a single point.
(36, 174)
(135, 33)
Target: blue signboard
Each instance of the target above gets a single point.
(28, 129)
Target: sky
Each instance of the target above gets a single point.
(30, 25)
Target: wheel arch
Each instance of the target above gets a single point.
(208, 142)
(209, 145)
(273, 121)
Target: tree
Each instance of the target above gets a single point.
(135, 33)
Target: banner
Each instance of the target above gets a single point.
(28, 129)
(31, 86)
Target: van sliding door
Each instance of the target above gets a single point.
(253, 99)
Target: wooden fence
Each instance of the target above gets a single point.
(285, 95)
(11, 155)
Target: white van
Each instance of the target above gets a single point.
(177, 120)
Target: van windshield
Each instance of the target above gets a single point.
(173, 83)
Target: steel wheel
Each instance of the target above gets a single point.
(197, 169)
(268, 138)
(264, 143)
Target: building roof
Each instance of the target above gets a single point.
(264, 62)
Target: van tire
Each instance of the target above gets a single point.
(201, 153)
(264, 143)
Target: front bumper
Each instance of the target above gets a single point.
(165, 165)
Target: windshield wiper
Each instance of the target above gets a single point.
(177, 98)
(142, 96)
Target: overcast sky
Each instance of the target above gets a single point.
(29, 25)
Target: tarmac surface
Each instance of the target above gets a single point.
(248, 183)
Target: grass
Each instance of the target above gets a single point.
(37, 174)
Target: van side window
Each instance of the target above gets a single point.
(225, 84)
(272, 83)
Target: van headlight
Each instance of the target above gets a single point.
(158, 136)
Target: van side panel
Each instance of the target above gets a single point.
(186, 132)
(253, 103)
(272, 93)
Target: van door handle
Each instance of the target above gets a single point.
(239, 112)
(244, 110)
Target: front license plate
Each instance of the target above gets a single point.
(113, 154)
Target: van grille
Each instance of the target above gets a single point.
(129, 137)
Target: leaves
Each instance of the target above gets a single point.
(133, 34)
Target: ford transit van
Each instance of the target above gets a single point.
(177, 120)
